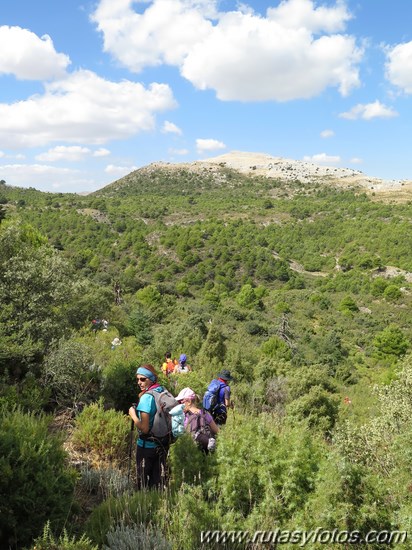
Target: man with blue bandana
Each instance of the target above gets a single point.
(150, 454)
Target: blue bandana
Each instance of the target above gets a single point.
(147, 373)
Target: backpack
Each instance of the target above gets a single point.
(161, 431)
(211, 396)
(170, 366)
(178, 420)
(200, 430)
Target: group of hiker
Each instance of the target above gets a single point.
(174, 366)
(160, 418)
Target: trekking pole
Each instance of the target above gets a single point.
(130, 452)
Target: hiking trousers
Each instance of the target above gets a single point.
(151, 468)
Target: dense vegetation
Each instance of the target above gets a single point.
(285, 284)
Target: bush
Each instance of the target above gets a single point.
(130, 537)
(47, 541)
(119, 385)
(134, 509)
(195, 471)
(35, 484)
(70, 374)
(101, 433)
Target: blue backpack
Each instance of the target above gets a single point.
(211, 396)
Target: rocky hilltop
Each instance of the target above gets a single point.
(287, 169)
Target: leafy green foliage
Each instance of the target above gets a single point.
(102, 433)
(47, 541)
(35, 483)
(286, 284)
(71, 375)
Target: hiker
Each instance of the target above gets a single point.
(217, 397)
(96, 325)
(169, 365)
(182, 366)
(198, 423)
(116, 342)
(105, 325)
(150, 453)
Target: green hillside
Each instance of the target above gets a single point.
(301, 289)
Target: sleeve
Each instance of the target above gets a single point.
(208, 417)
(146, 403)
(227, 393)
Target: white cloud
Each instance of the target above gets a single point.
(327, 133)
(83, 108)
(180, 152)
(203, 145)
(40, 176)
(322, 158)
(170, 128)
(28, 57)
(356, 160)
(101, 152)
(290, 53)
(2, 154)
(73, 153)
(399, 66)
(164, 33)
(369, 111)
(119, 171)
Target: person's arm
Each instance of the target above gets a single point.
(141, 424)
(228, 401)
(213, 427)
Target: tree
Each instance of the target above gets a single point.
(139, 326)
(37, 289)
(391, 342)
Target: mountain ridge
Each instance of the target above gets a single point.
(263, 164)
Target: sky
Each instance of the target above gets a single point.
(92, 90)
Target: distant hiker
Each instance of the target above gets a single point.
(182, 366)
(149, 418)
(117, 294)
(217, 399)
(96, 325)
(198, 423)
(169, 365)
(116, 342)
(105, 325)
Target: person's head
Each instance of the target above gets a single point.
(183, 358)
(146, 376)
(225, 375)
(168, 355)
(187, 396)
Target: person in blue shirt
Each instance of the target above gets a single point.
(150, 454)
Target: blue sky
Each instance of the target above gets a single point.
(90, 91)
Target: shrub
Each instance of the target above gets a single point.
(119, 385)
(70, 374)
(101, 433)
(47, 541)
(130, 537)
(35, 484)
(194, 471)
(134, 509)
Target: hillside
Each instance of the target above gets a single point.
(296, 280)
(285, 170)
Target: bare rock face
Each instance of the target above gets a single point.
(287, 169)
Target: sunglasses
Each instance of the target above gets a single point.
(141, 379)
